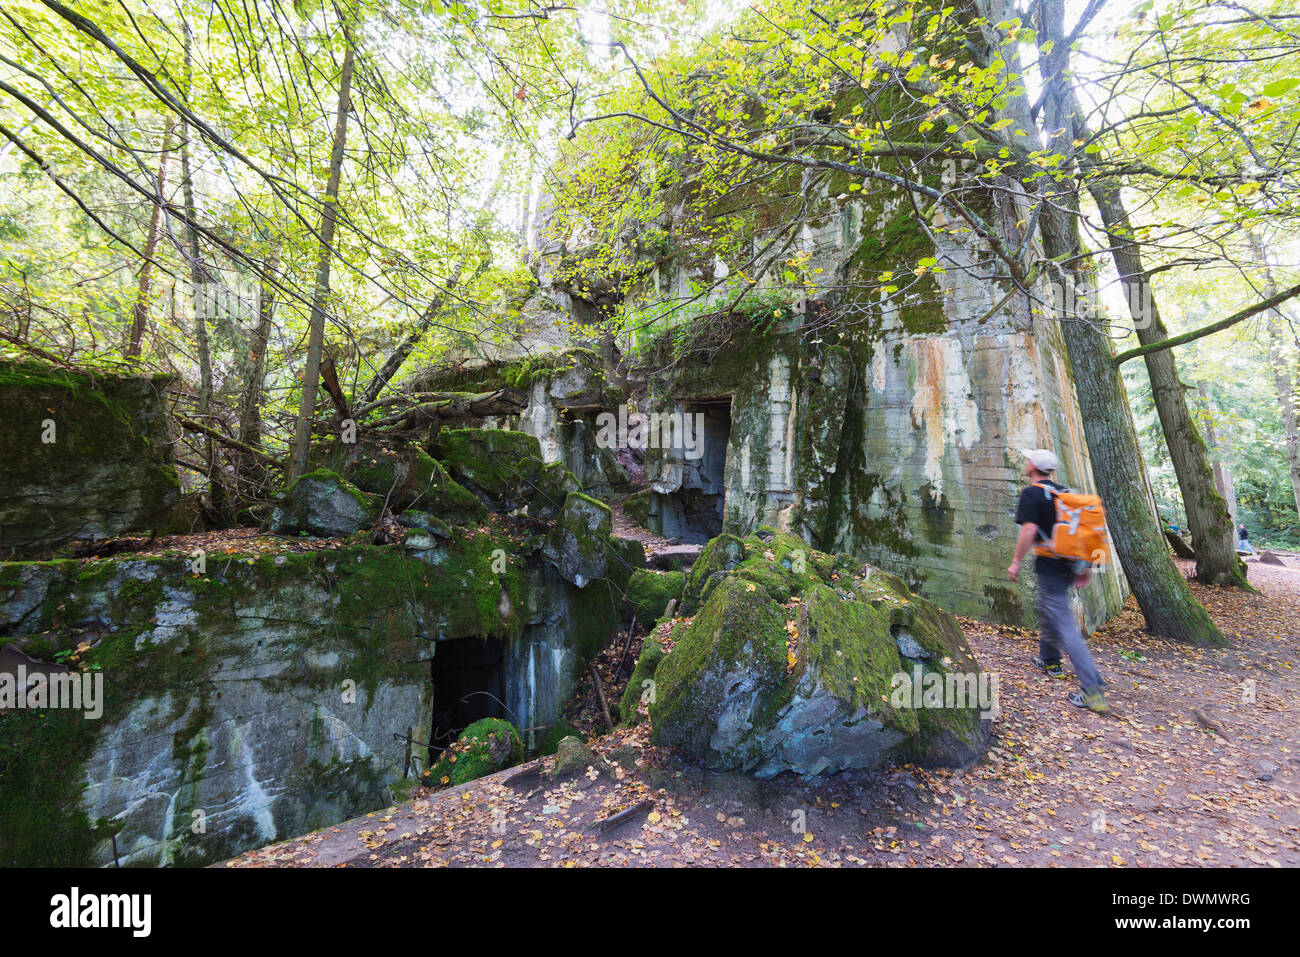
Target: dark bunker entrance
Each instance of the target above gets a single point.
(469, 683)
(694, 512)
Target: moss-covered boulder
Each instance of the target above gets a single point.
(85, 456)
(573, 758)
(579, 544)
(649, 592)
(324, 504)
(486, 746)
(808, 662)
(501, 467)
(560, 730)
(404, 475)
(637, 507)
(720, 555)
(552, 487)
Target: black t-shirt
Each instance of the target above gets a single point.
(1037, 506)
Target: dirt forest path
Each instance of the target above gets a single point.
(1199, 766)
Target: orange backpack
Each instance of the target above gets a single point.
(1079, 533)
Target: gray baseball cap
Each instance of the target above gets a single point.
(1041, 459)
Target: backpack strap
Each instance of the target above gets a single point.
(1042, 541)
(1049, 491)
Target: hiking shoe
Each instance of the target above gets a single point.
(1093, 702)
(1054, 670)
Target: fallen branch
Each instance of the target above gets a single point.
(216, 436)
(400, 354)
(330, 379)
(451, 406)
(600, 693)
(614, 820)
(35, 350)
(627, 646)
(1211, 725)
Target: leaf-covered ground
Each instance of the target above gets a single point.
(1198, 766)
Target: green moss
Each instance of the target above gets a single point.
(855, 654)
(738, 623)
(649, 592)
(502, 467)
(35, 377)
(720, 554)
(42, 754)
(582, 530)
(626, 556)
(108, 469)
(791, 643)
(637, 507)
(515, 373)
(486, 746)
(636, 691)
(552, 487)
(561, 729)
(402, 474)
(326, 475)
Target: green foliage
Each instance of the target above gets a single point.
(675, 331)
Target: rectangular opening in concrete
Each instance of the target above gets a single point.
(694, 512)
(469, 683)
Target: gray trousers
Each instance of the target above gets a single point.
(1061, 634)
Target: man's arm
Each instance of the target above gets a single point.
(1026, 538)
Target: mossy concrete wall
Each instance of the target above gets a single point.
(81, 456)
(904, 453)
(888, 429)
(267, 694)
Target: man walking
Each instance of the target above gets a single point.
(1036, 515)
(1243, 540)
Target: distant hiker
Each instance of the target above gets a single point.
(1243, 540)
(1040, 526)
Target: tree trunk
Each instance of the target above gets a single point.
(1222, 474)
(1164, 597)
(217, 497)
(248, 473)
(316, 329)
(140, 316)
(1208, 518)
(1166, 600)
